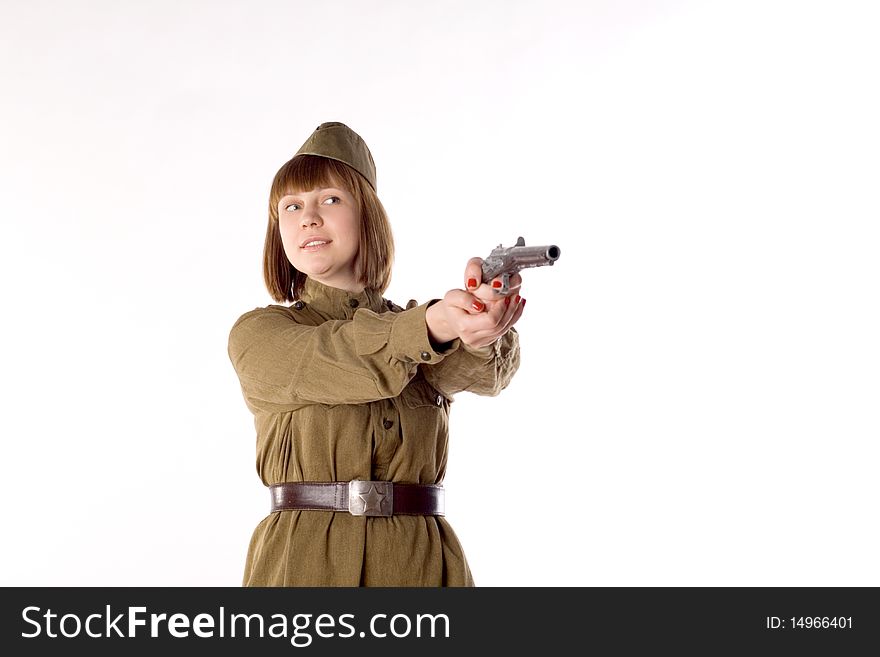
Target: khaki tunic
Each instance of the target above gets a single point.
(347, 386)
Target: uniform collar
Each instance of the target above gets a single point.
(335, 302)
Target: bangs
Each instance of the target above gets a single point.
(306, 172)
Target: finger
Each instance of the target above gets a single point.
(488, 325)
(513, 284)
(511, 304)
(489, 292)
(488, 336)
(496, 309)
(515, 280)
(502, 312)
(465, 301)
(473, 274)
(513, 318)
(483, 324)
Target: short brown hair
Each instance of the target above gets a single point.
(376, 247)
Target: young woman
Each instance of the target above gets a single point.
(350, 392)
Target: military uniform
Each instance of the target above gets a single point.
(343, 387)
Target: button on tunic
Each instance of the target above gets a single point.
(347, 386)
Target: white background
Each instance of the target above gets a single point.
(698, 397)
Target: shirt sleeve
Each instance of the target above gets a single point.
(484, 371)
(283, 364)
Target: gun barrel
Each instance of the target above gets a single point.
(512, 259)
(535, 255)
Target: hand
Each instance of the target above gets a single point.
(478, 315)
(490, 291)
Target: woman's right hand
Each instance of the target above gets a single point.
(478, 315)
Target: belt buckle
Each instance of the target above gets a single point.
(370, 498)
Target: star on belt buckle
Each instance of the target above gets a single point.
(370, 498)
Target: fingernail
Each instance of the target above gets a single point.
(478, 306)
(517, 299)
(506, 301)
(496, 284)
(472, 282)
(523, 303)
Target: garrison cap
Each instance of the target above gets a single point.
(337, 141)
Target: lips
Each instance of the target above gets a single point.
(313, 242)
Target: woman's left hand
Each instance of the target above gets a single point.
(478, 315)
(491, 314)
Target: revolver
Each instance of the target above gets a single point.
(508, 261)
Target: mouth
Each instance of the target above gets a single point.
(314, 243)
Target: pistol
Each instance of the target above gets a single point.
(508, 261)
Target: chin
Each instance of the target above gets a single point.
(311, 271)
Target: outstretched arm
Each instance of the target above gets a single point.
(282, 363)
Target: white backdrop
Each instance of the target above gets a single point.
(698, 397)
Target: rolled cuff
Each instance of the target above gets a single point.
(409, 340)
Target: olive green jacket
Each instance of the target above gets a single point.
(348, 386)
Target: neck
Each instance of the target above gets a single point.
(347, 284)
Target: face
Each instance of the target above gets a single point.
(320, 231)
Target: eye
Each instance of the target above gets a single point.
(335, 200)
(292, 205)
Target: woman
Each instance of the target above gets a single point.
(350, 391)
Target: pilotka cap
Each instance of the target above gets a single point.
(337, 141)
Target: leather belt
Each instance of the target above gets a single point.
(359, 497)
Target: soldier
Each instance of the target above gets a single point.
(350, 392)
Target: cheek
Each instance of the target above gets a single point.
(288, 238)
(353, 229)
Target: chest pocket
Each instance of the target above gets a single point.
(420, 394)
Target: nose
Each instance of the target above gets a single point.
(310, 217)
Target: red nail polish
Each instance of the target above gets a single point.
(472, 282)
(506, 301)
(517, 299)
(496, 284)
(523, 303)
(478, 306)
